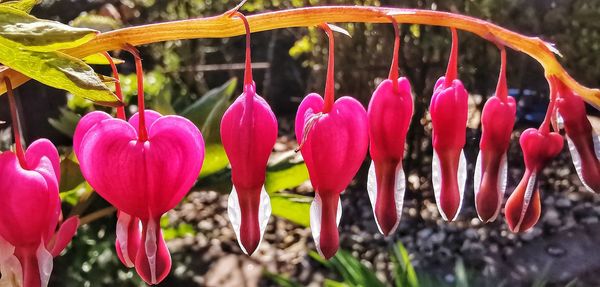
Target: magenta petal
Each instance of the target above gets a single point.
(151, 117)
(153, 260)
(449, 108)
(333, 146)
(248, 133)
(64, 235)
(389, 116)
(29, 199)
(84, 125)
(128, 238)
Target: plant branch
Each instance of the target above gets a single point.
(224, 26)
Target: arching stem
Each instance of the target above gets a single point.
(330, 82)
(142, 132)
(545, 126)
(393, 76)
(248, 66)
(452, 69)
(502, 88)
(118, 91)
(15, 123)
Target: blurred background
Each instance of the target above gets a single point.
(197, 79)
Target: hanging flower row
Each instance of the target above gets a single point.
(146, 164)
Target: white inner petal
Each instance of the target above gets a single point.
(531, 185)
(45, 264)
(399, 190)
(462, 180)
(436, 178)
(477, 177)
(151, 248)
(316, 209)
(264, 213)
(235, 215)
(123, 236)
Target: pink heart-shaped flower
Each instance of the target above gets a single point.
(333, 145)
(144, 179)
(523, 207)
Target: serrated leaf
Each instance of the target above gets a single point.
(24, 31)
(23, 5)
(99, 59)
(59, 70)
(295, 208)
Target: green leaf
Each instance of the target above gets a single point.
(200, 111)
(99, 59)
(215, 160)
(281, 280)
(23, 5)
(59, 70)
(333, 283)
(21, 30)
(354, 272)
(286, 174)
(404, 272)
(71, 176)
(295, 208)
(96, 22)
(66, 122)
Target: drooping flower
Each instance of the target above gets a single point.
(143, 172)
(448, 109)
(30, 209)
(523, 207)
(497, 121)
(389, 114)
(248, 133)
(333, 139)
(583, 141)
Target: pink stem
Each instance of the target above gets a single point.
(15, 123)
(452, 69)
(502, 89)
(142, 132)
(248, 67)
(118, 91)
(330, 83)
(393, 76)
(545, 126)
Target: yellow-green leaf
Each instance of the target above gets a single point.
(59, 70)
(22, 30)
(96, 22)
(99, 59)
(23, 5)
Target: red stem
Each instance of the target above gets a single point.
(330, 83)
(452, 69)
(248, 68)
(545, 126)
(118, 91)
(502, 89)
(142, 132)
(15, 123)
(394, 67)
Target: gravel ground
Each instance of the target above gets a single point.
(559, 248)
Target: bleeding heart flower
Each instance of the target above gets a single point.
(248, 133)
(333, 140)
(30, 209)
(497, 121)
(389, 114)
(583, 141)
(523, 207)
(449, 109)
(142, 172)
(128, 235)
